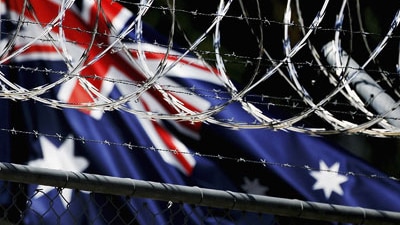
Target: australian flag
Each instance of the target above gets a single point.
(97, 90)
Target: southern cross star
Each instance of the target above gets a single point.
(253, 186)
(61, 158)
(328, 179)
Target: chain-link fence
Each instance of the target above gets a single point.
(113, 209)
(32, 195)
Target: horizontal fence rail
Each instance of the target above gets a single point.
(195, 195)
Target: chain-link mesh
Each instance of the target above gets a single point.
(329, 57)
(112, 200)
(112, 209)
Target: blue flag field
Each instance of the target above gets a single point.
(125, 142)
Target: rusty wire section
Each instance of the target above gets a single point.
(319, 66)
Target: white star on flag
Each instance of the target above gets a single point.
(61, 158)
(253, 187)
(328, 179)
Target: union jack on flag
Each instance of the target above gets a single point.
(111, 75)
(121, 88)
(92, 38)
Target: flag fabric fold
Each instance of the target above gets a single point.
(313, 167)
(100, 67)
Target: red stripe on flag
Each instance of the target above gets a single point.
(168, 141)
(77, 31)
(38, 49)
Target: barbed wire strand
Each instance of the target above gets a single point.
(238, 159)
